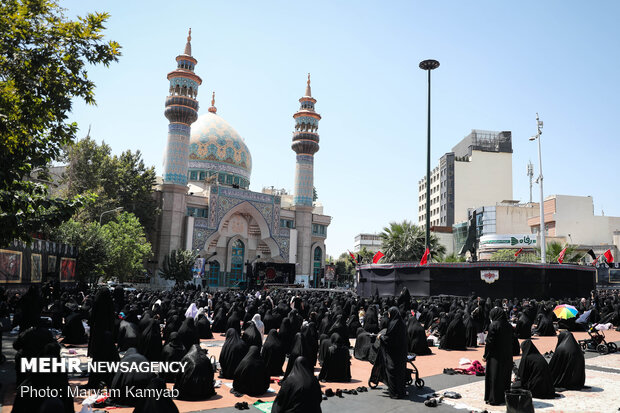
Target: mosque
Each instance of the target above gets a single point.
(205, 200)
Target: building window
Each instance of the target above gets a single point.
(203, 175)
(320, 230)
(236, 261)
(197, 212)
(287, 223)
(316, 266)
(214, 273)
(193, 175)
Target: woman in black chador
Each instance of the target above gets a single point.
(101, 320)
(174, 350)
(203, 326)
(454, 338)
(273, 353)
(416, 338)
(498, 356)
(233, 351)
(544, 326)
(568, 366)
(150, 341)
(196, 381)
(251, 375)
(534, 373)
(394, 349)
(300, 393)
(155, 404)
(336, 361)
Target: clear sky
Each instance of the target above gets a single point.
(501, 62)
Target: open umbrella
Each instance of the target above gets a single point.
(565, 311)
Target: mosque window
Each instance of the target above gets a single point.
(229, 179)
(318, 229)
(193, 175)
(236, 261)
(214, 273)
(287, 223)
(203, 175)
(221, 178)
(316, 266)
(197, 212)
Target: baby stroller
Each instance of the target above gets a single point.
(597, 342)
(376, 375)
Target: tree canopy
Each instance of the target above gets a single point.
(178, 265)
(129, 248)
(43, 59)
(118, 181)
(405, 241)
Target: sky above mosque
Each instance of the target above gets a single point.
(501, 62)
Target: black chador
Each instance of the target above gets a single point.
(416, 337)
(336, 362)
(568, 366)
(273, 353)
(251, 376)
(498, 355)
(233, 351)
(300, 393)
(196, 381)
(534, 373)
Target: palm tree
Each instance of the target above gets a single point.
(405, 242)
(553, 252)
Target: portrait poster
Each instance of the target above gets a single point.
(51, 263)
(36, 268)
(10, 266)
(67, 269)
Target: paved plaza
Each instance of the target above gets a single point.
(602, 379)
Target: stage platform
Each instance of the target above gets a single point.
(486, 279)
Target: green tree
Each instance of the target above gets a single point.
(345, 269)
(453, 258)
(365, 256)
(93, 246)
(178, 266)
(119, 181)
(128, 247)
(553, 253)
(404, 241)
(509, 255)
(43, 58)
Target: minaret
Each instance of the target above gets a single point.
(305, 144)
(181, 110)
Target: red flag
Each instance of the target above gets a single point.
(562, 254)
(377, 257)
(424, 259)
(608, 256)
(518, 252)
(352, 256)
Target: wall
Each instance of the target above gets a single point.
(514, 219)
(485, 180)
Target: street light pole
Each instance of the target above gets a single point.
(543, 245)
(428, 65)
(107, 212)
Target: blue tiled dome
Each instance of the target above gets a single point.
(214, 146)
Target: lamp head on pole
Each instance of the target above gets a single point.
(429, 64)
(533, 138)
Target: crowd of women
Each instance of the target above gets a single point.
(287, 334)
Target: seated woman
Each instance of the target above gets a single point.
(336, 365)
(73, 330)
(203, 326)
(454, 338)
(416, 338)
(568, 366)
(196, 381)
(251, 376)
(534, 373)
(545, 326)
(126, 380)
(233, 351)
(300, 393)
(174, 350)
(251, 335)
(128, 335)
(154, 404)
(363, 343)
(273, 353)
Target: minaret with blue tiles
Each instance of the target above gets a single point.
(181, 110)
(305, 144)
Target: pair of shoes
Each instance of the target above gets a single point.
(235, 393)
(242, 406)
(449, 371)
(452, 395)
(362, 389)
(339, 393)
(352, 391)
(329, 393)
(431, 403)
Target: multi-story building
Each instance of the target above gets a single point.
(371, 242)
(571, 220)
(478, 171)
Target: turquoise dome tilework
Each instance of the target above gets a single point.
(216, 146)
